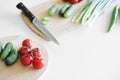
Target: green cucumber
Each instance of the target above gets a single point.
(45, 20)
(69, 11)
(8, 47)
(64, 9)
(12, 58)
(53, 10)
(1, 48)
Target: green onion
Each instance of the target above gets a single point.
(98, 10)
(83, 12)
(90, 11)
(79, 12)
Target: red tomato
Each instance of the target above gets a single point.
(73, 1)
(26, 59)
(23, 50)
(66, 0)
(79, 0)
(37, 63)
(27, 42)
(36, 52)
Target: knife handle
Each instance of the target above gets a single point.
(25, 10)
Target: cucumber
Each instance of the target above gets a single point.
(45, 20)
(12, 58)
(8, 47)
(53, 10)
(1, 48)
(69, 11)
(64, 9)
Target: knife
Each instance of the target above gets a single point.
(36, 22)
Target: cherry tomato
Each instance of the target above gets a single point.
(66, 0)
(23, 50)
(36, 52)
(73, 1)
(37, 63)
(26, 59)
(27, 42)
(79, 0)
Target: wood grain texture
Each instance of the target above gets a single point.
(57, 25)
(18, 71)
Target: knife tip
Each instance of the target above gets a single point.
(57, 42)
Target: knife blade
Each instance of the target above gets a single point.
(36, 22)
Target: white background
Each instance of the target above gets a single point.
(88, 53)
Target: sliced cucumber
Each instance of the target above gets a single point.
(69, 11)
(64, 9)
(53, 10)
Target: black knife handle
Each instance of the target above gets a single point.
(25, 10)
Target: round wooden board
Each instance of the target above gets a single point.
(17, 71)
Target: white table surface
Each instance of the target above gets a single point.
(83, 54)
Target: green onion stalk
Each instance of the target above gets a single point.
(91, 10)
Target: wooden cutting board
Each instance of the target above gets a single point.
(57, 25)
(17, 71)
